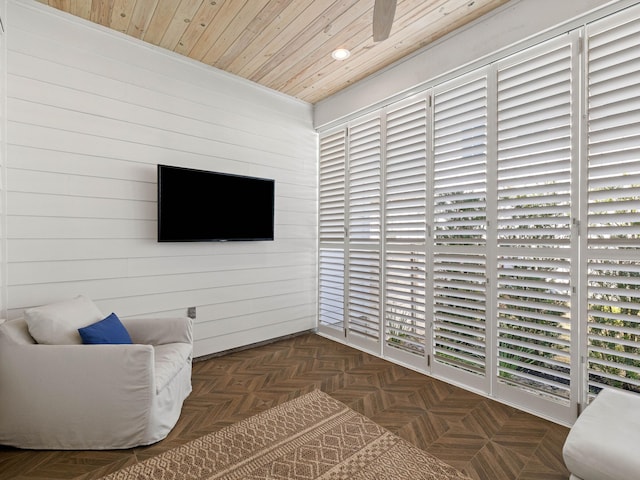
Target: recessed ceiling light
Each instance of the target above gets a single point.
(340, 54)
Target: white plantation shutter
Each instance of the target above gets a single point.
(364, 293)
(331, 227)
(534, 334)
(332, 193)
(331, 287)
(459, 225)
(364, 181)
(406, 174)
(364, 221)
(534, 220)
(459, 286)
(405, 226)
(534, 142)
(614, 324)
(613, 229)
(405, 301)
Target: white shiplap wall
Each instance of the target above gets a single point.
(90, 114)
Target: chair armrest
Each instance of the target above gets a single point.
(159, 331)
(53, 396)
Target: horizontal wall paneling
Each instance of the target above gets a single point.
(90, 114)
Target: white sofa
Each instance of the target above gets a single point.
(603, 442)
(94, 396)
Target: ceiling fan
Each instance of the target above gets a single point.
(383, 12)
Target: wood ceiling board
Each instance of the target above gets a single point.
(252, 34)
(141, 18)
(179, 23)
(204, 21)
(233, 31)
(283, 44)
(337, 34)
(160, 19)
(266, 38)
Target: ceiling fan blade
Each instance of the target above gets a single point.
(383, 12)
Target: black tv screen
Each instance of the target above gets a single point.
(200, 206)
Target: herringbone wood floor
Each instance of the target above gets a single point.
(483, 438)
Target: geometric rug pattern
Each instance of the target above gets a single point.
(309, 437)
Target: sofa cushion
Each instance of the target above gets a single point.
(170, 358)
(58, 323)
(108, 331)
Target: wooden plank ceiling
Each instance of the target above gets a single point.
(285, 45)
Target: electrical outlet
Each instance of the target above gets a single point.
(191, 312)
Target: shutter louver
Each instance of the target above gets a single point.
(331, 204)
(405, 226)
(459, 285)
(331, 230)
(614, 137)
(534, 324)
(614, 325)
(406, 174)
(364, 292)
(364, 182)
(534, 151)
(534, 222)
(459, 225)
(405, 300)
(331, 287)
(613, 195)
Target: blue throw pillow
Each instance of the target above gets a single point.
(107, 331)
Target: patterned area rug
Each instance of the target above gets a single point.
(310, 437)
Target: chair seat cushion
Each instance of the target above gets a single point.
(603, 443)
(169, 360)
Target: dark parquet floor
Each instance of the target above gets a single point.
(483, 438)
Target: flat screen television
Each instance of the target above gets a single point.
(204, 206)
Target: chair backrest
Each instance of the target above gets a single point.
(15, 332)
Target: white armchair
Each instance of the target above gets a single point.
(94, 396)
